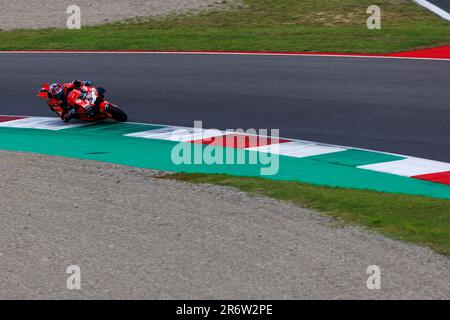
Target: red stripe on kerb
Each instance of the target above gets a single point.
(8, 118)
(439, 177)
(438, 53)
(442, 52)
(240, 141)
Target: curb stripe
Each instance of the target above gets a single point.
(359, 158)
(440, 177)
(9, 118)
(388, 163)
(41, 123)
(438, 53)
(409, 167)
(298, 149)
(178, 134)
(239, 141)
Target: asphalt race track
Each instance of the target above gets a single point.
(392, 105)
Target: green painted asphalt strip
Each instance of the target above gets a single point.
(111, 128)
(355, 158)
(91, 142)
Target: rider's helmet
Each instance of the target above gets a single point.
(57, 91)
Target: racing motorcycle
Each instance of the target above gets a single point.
(86, 103)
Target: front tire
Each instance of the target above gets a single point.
(117, 114)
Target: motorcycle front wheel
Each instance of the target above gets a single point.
(117, 114)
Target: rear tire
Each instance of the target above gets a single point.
(117, 114)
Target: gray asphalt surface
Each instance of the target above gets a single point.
(399, 106)
(137, 237)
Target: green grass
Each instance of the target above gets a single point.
(257, 25)
(420, 220)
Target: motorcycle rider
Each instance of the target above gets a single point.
(58, 94)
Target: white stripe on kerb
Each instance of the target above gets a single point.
(434, 8)
(177, 134)
(41, 123)
(298, 149)
(409, 167)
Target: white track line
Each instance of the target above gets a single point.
(434, 8)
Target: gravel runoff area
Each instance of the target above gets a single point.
(136, 236)
(38, 14)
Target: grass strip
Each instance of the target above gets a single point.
(256, 25)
